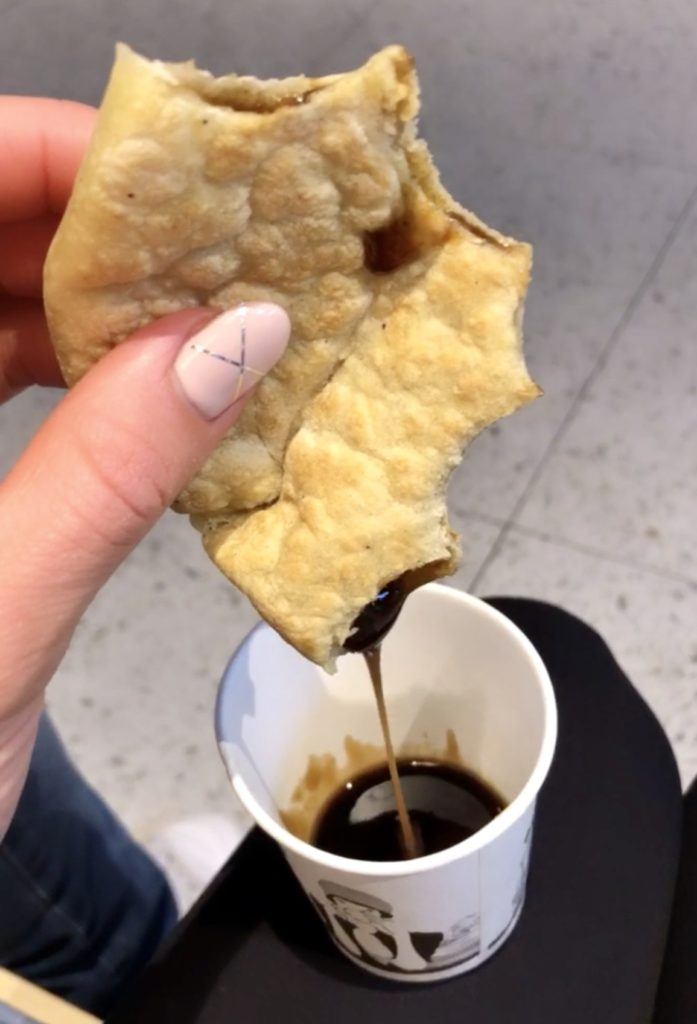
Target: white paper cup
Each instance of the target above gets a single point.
(451, 662)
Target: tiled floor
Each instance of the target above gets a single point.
(571, 124)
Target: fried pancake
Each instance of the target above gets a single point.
(406, 309)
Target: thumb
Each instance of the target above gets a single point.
(107, 463)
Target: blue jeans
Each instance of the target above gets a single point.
(82, 907)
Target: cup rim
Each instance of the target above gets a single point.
(486, 835)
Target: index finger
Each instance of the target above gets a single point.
(42, 142)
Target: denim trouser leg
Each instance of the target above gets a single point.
(82, 907)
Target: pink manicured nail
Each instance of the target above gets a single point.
(231, 354)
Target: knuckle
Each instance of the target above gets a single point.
(125, 491)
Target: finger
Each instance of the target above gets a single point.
(26, 352)
(106, 464)
(42, 142)
(23, 248)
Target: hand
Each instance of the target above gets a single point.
(119, 447)
(41, 145)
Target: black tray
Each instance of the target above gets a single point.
(589, 945)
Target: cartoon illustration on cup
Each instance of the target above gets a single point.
(364, 925)
(457, 944)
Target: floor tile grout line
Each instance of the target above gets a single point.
(600, 555)
(590, 379)
(480, 517)
(558, 540)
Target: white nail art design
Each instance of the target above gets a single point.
(231, 354)
(240, 363)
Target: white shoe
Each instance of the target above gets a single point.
(192, 851)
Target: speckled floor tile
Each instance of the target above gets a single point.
(593, 247)
(134, 696)
(624, 477)
(647, 620)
